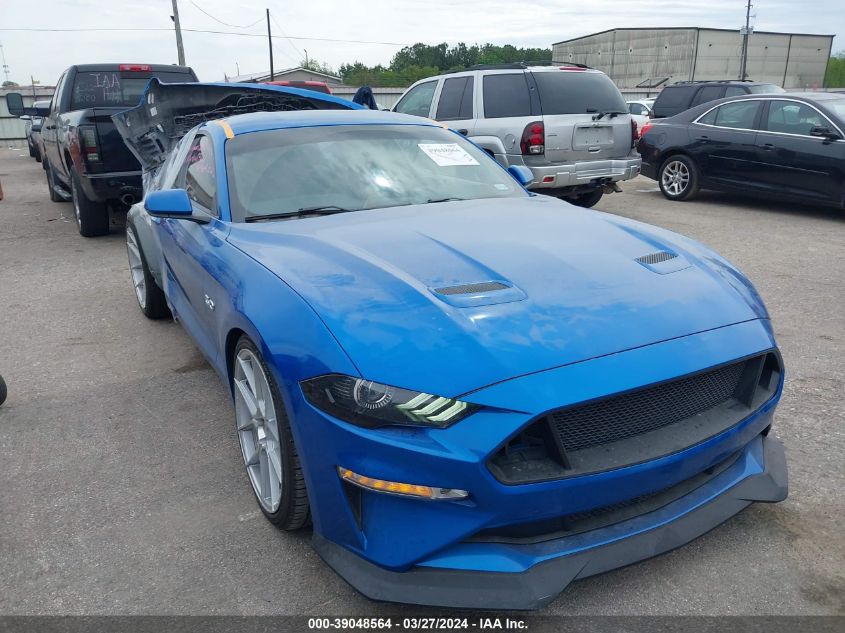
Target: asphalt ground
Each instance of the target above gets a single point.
(121, 484)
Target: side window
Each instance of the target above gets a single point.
(734, 91)
(672, 96)
(455, 99)
(739, 115)
(707, 93)
(637, 108)
(200, 174)
(709, 118)
(792, 117)
(506, 95)
(418, 100)
(57, 96)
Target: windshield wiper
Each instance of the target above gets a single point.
(323, 210)
(610, 113)
(436, 200)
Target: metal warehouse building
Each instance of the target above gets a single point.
(643, 57)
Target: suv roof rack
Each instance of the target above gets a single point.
(515, 65)
(715, 81)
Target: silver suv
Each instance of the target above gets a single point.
(569, 124)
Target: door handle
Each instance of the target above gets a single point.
(704, 138)
(768, 147)
(462, 131)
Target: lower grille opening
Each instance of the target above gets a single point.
(596, 518)
(638, 425)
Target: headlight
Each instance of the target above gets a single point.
(372, 404)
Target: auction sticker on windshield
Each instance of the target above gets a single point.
(447, 154)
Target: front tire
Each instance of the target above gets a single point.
(266, 441)
(150, 296)
(92, 217)
(678, 178)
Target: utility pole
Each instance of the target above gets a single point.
(5, 65)
(743, 64)
(180, 51)
(270, 42)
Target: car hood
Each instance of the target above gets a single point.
(544, 284)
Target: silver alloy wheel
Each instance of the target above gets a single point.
(258, 430)
(136, 267)
(675, 178)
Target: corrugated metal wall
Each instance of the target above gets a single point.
(631, 56)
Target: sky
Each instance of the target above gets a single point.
(390, 23)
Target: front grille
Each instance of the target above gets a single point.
(638, 426)
(642, 411)
(469, 289)
(656, 258)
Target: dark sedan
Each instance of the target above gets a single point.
(790, 146)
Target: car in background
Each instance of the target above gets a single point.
(33, 135)
(316, 86)
(640, 111)
(789, 146)
(683, 95)
(85, 158)
(568, 124)
(476, 395)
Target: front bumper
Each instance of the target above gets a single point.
(759, 474)
(372, 538)
(584, 173)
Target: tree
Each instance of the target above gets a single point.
(416, 62)
(10, 84)
(317, 67)
(835, 75)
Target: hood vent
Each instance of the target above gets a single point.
(471, 289)
(656, 258)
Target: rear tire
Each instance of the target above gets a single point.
(92, 217)
(266, 439)
(150, 296)
(3, 392)
(587, 200)
(51, 183)
(678, 178)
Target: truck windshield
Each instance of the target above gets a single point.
(354, 167)
(109, 89)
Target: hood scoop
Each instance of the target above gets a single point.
(482, 293)
(662, 262)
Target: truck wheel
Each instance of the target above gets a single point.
(51, 183)
(3, 391)
(587, 200)
(92, 217)
(150, 297)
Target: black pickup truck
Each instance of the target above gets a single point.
(85, 158)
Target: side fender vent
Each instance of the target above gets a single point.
(471, 289)
(655, 258)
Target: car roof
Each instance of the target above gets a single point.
(260, 121)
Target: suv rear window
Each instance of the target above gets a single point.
(672, 96)
(565, 92)
(108, 89)
(506, 95)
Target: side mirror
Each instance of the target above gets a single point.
(14, 102)
(521, 174)
(171, 203)
(825, 133)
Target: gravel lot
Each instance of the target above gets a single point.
(122, 491)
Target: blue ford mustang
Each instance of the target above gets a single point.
(477, 395)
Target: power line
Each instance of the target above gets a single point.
(236, 26)
(292, 37)
(294, 46)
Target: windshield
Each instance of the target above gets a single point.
(116, 89)
(568, 92)
(355, 167)
(764, 89)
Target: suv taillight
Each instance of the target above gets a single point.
(533, 138)
(635, 135)
(88, 143)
